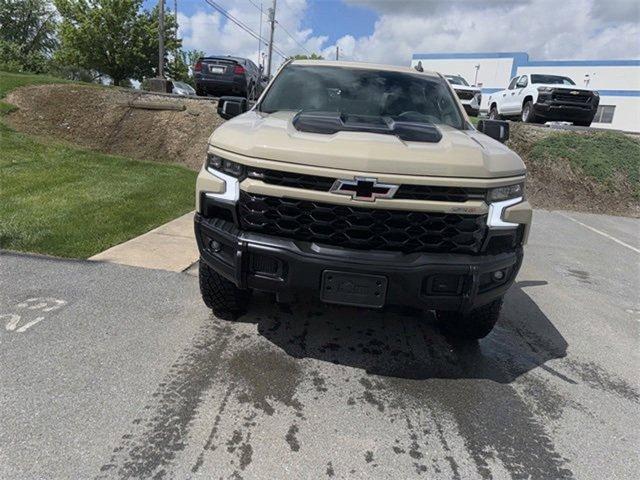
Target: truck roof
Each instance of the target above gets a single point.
(365, 65)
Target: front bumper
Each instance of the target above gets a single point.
(454, 282)
(552, 110)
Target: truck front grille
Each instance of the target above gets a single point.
(362, 228)
(465, 94)
(564, 96)
(405, 192)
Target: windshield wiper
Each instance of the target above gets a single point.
(333, 122)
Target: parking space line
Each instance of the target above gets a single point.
(600, 232)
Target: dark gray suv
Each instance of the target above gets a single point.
(226, 75)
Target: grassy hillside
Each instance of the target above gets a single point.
(9, 81)
(71, 202)
(607, 157)
(594, 171)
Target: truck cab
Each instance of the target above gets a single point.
(538, 98)
(361, 185)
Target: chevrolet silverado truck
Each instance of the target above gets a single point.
(361, 185)
(470, 97)
(539, 98)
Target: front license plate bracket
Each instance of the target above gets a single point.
(356, 289)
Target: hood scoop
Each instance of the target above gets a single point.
(333, 122)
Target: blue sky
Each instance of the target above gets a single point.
(335, 19)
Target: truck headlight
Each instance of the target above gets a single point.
(545, 89)
(505, 193)
(215, 162)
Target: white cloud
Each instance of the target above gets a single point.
(543, 28)
(556, 29)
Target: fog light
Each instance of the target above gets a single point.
(498, 275)
(214, 246)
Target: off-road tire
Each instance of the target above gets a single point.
(493, 114)
(226, 300)
(583, 124)
(471, 326)
(528, 114)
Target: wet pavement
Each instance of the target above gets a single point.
(120, 372)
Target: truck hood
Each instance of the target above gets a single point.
(564, 87)
(458, 154)
(466, 89)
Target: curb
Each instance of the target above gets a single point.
(171, 247)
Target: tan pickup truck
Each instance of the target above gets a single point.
(362, 185)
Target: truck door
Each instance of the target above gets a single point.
(518, 94)
(505, 97)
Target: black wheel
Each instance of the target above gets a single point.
(226, 300)
(493, 113)
(200, 91)
(474, 325)
(583, 124)
(528, 114)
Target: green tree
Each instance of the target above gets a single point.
(313, 56)
(192, 56)
(178, 66)
(113, 37)
(27, 34)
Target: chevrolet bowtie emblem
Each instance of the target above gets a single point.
(574, 92)
(361, 188)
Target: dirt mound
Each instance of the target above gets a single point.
(554, 184)
(100, 119)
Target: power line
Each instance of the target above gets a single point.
(255, 5)
(243, 26)
(283, 29)
(293, 38)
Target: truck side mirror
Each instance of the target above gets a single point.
(229, 107)
(496, 129)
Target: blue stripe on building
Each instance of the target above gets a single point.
(521, 59)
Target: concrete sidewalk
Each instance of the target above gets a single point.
(171, 247)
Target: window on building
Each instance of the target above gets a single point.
(604, 114)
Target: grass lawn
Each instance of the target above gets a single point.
(9, 81)
(70, 202)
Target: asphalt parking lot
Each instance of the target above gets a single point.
(120, 372)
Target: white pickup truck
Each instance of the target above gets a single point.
(539, 98)
(469, 96)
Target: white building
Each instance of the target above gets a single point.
(617, 81)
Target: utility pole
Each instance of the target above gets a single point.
(260, 35)
(175, 12)
(337, 52)
(160, 38)
(272, 19)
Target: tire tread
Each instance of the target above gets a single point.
(474, 325)
(220, 295)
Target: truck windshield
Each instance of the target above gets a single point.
(456, 80)
(360, 91)
(551, 79)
